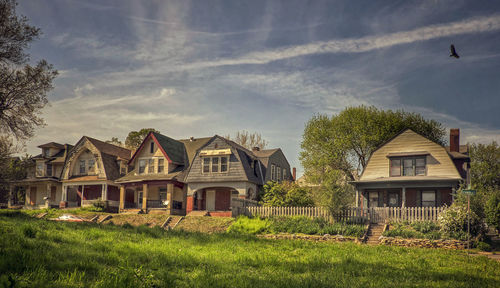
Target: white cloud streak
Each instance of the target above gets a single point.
(363, 44)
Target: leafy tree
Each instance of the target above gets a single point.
(485, 166)
(345, 141)
(288, 194)
(115, 141)
(23, 87)
(492, 210)
(334, 193)
(249, 140)
(135, 138)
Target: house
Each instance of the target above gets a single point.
(156, 179)
(42, 187)
(181, 176)
(223, 170)
(410, 170)
(89, 172)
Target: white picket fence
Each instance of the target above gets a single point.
(355, 215)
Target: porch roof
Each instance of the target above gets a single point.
(407, 179)
(133, 177)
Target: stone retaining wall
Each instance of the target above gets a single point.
(316, 238)
(424, 243)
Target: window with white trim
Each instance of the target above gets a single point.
(48, 171)
(273, 172)
(142, 166)
(219, 164)
(151, 166)
(284, 174)
(39, 169)
(278, 173)
(91, 163)
(161, 163)
(82, 167)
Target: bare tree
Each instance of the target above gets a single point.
(249, 140)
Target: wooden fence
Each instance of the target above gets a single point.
(354, 215)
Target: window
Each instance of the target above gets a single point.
(152, 148)
(408, 166)
(393, 199)
(49, 170)
(278, 173)
(223, 164)
(373, 199)
(215, 164)
(273, 172)
(160, 165)
(123, 170)
(91, 165)
(39, 169)
(151, 166)
(420, 166)
(395, 167)
(142, 166)
(163, 196)
(428, 198)
(45, 152)
(206, 165)
(284, 174)
(82, 167)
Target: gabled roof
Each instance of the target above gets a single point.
(52, 145)
(109, 148)
(193, 145)
(264, 155)
(172, 149)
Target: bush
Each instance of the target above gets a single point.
(453, 222)
(419, 230)
(287, 194)
(483, 246)
(492, 210)
(245, 225)
(425, 226)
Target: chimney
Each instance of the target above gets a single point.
(255, 149)
(294, 173)
(454, 140)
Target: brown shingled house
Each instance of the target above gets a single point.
(409, 170)
(89, 173)
(42, 187)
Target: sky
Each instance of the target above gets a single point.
(200, 68)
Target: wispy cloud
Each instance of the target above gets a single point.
(363, 44)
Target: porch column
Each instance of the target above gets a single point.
(403, 197)
(11, 196)
(170, 191)
(64, 197)
(361, 204)
(357, 198)
(122, 197)
(144, 196)
(83, 196)
(47, 199)
(104, 195)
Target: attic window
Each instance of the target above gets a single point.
(152, 147)
(215, 152)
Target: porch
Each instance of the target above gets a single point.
(35, 194)
(153, 197)
(85, 194)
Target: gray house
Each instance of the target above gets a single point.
(223, 170)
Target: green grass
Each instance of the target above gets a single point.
(42, 253)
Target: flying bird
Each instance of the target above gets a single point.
(453, 52)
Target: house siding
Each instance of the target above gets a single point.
(235, 171)
(439, 163)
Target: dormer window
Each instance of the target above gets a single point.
(408, 166)
(39, 169)
(49, 170)
(91, 165)
(215, 164)
(82, 167)
(152, 148)
(46, 152)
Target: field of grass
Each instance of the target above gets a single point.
(41, 253)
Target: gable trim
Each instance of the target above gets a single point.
(152, 136)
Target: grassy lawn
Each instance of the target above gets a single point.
(41, 253)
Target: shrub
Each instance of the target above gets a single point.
(483, 246)
(245, 225)
(492, 210)
(425, 226)
(421, 229)
(453, 222)
(287, 194)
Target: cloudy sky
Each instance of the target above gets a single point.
(199, 68)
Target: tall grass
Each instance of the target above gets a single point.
(90, 255)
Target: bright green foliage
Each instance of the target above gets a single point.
(485, 166)
(492, 210)
(419, 230)
(135, 138)
(453, 222)
(92, 255)
(334, 193)
(316, 226)
(249, 226)
(285, 194)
